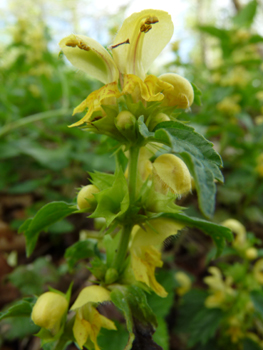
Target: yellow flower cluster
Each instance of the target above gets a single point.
(229, 105)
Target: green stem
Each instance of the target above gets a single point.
(122, 247)
(33, 118)
(126, 231)
(132, 177)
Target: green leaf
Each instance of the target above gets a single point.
(201, 159)
(221, 34)
(161, 335)
(204, 325)
(139, 306)
(119, 300)
(18, 327)
(80, 250)
(45, 217)
(162, 306)
(218, 233)
(197, 95)
(141, 320)
(245, 16)
(102, 180)
(257, 299)
(118, 338)
(30, 279)
(249, 344)
(22, 308)
(114, 201)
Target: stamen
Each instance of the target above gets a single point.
(114, 46)
(151, 20)
(79, 44)
(145, 28)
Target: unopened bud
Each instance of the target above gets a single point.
(170, 172)
(125, 123)
(251, 253)
(111, 275)
(86, 199)
(158, 118)
(182, 96)
(49, 310)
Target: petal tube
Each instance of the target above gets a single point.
(148, 31)
(91, 57)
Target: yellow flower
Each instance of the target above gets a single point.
(140, 40)
(171, 173)
(184, 281)
(259, 167)
(145, 257)
(220, 289)
(49, 311)
(229, 105)
(89, 321)
(235, 329)
(240, 231)
(258, 271)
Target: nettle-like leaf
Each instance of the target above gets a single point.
(113, 201)
(45, 217)
(141, 320)
(257, 299)
(246, 15)
(22, 308)
(201, 159)
(197, 95)
(218, 233)
(80, 250)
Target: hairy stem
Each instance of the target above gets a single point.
(122, 247)
(132, 177)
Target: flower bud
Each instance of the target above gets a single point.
(184, 281)
(111, 275)
(251, 253)
(170, 172)
(158, 118)
(258, 271)
(86, 199)
(182, 96)
(49, 310)
(125, 123)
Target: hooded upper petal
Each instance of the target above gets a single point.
(91, 57)
(91, 294)
(147, 32)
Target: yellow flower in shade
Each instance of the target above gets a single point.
(89, 321)
(259, 120)
(259, 167)
(171, 173)
(258, 271)
(145, 256)
(240, 231)
(229, 105)
(140, 40)
(49, 311)
(220, 290)
(235, 329)
(184, 281)
(259, 95)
